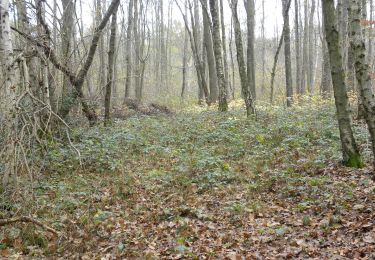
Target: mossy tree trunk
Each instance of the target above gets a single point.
(351, 155)
(241, 61)
(216, 39)
(362, 69)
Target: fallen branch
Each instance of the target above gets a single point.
(4, 222)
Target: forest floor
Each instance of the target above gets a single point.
(201, 185)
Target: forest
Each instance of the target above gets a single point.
(187, 129)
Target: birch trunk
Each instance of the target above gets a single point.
(362, 69)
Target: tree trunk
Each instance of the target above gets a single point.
(233, 82)
(76, 79)
(263, 87)
(129, 51)
(298, 47)
(101, 48)
(363, 72)
(67, 31)
(351, 156)
(250, 11)
(223, 105)
(273, 72)
(224, 41)
(110, 74)
(250, 109)
(370, 34)
(287, 53)
(305, 51)
(194, 39)
(207, 40)
(326, 83)
(7, 95)
(184, 60)
(311, 48)
(137, 43)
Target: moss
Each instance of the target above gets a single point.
(354, 161)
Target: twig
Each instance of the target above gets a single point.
(4, 222)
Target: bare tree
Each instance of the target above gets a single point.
(250, 109)
(362, 69)
(287, 53)
(207, 41)
(76, 79)
(217, 45)
(297, 46)
(351, 156)
(250, 11)
(129, 50)
(110, 74)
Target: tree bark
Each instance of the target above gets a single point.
(184, 60)
(193, 37)
(101, 48)
(223, 39)
(223, 105)
(110, 74)
(351, 155)
(305, 50)
(250, 11)
(311, 49)
(129, 51)
(250, 109)
(67, 31)
(207, 41)
(287, 53)
(362, 69)
(326, 83)
(297, 47)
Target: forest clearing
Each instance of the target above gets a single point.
(187, 129)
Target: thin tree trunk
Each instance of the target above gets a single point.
(273, 72)
(225, 58)
(217, 45)
(66, 44)
(184, 60)
(326, 83)
(110, 74)
(128, 59)
(233, 83)
(137, 43)
(101, 48)
(250, 11)
(311, 48)
(263, 87)
(287, 54)
(305, 58)
(298, 47)
(250, 109)
(207, 42)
